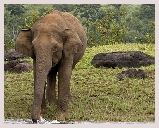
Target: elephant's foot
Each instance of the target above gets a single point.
(35, 121)
(35, 115)
(62, 109)
(61, 115)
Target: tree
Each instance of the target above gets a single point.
(108, 30)
(88, 12)
(117, 6)
(139, 23)
(147, 12)
(13, 19)
(146, 16)
(63, 7)
(15, 9)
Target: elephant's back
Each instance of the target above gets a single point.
(71, 20)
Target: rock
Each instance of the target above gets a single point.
(123, 59)
(12, 55)
(18, 66)
(132, 73)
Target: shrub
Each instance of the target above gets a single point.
(107, 30)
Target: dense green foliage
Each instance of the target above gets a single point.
(97, 94)
(104, 24)
(108, 30)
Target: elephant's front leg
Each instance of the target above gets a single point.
(64, 76)
(43, 105)
(51, 84)
(38, 99)
(41, 70)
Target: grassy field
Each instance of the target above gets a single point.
(97, 95)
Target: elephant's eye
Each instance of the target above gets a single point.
(55, 47)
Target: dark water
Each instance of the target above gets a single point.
(43, 121)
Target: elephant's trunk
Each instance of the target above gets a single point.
(42, 67)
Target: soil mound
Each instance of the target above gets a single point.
(132, 73)
(12, 55)
(123, 59)
(18, 66)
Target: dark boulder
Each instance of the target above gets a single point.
(18, 66)
(132, 73)
(12, 55)
(123, 59)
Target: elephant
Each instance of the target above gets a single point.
(56, 43)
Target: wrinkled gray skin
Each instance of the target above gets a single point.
(56, 43)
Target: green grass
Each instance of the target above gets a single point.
(97, 95)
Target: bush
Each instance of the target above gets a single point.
(149, 37)
(107, 30)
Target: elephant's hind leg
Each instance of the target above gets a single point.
(51, 84)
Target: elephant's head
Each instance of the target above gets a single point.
(48, 40)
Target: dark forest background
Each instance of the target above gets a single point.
(103, 23)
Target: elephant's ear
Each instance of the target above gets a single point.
(24, 44)
(72, 42)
